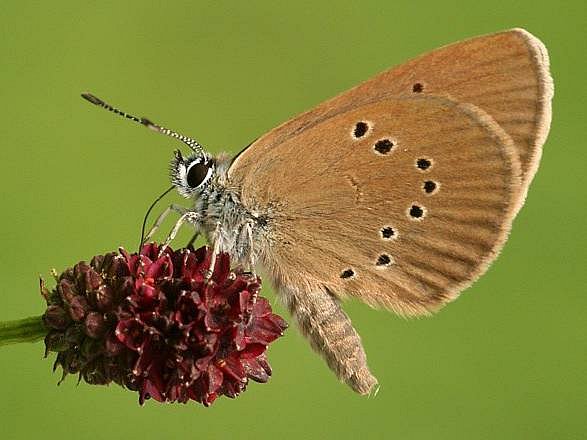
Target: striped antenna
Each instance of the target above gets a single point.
(195, 146)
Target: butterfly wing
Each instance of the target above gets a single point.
(400, 191)
(404, 216)
(506, 74)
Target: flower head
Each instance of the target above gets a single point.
(153, 323)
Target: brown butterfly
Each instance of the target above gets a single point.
(400, 191)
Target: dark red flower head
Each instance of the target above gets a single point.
(152, 322)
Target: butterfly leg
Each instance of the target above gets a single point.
(251, 256)
(189, 216)
(215, 250)
(177, 208)
(251, 249)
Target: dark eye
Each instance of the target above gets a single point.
(197, 173)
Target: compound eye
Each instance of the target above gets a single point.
(197, 174)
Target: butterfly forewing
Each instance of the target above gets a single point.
(505, 74)
(401, 202)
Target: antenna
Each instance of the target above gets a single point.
(195, 146)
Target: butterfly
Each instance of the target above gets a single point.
(399, 192)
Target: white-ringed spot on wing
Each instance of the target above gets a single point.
(383, 146)
(423, 164)
(361, 129)
(416, 212)
(347, 274)
(383, 261)
(388, 233)
(430, 186)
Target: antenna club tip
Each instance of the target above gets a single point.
(93, 99)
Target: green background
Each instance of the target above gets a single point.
(505, 361)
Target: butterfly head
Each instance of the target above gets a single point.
(191, 175)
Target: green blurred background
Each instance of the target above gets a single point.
(506, 361)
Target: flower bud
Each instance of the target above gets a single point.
(55, 341)
(78, 307)
(94, 325)
(56, 317)
(74, 336)
(92, 280)
(67, 290)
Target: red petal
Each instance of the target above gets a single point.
(232, 367)
(161, 268)
(146, 295)
(150, 389)
(239, 337)
(253, 351)
(261, 307)
(187, 311)
(131, 333)
(215, 378)
(264, 330)
(221, 268)
(257, 369)
(150, 250)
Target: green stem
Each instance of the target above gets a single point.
(22, 330)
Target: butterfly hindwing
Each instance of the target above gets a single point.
(402, 202)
